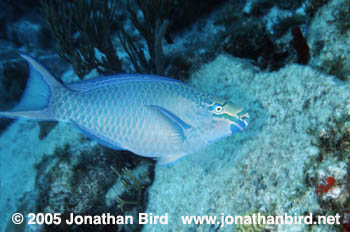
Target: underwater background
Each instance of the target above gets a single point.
(286, 62)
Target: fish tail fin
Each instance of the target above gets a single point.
(34, 103)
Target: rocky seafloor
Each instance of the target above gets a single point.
(268, 167)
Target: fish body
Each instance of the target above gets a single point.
(148, 115)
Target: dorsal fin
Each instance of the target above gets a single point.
(118, 79)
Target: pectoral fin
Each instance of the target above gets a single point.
(176, 123)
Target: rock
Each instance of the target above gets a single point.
(77, 180)
(28, 33)
(272, 151)
(328, 39)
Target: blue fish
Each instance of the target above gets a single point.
(148, 115)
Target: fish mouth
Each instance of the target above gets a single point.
(244, 116)
(236, 116)
(240, 123)
(235, 128)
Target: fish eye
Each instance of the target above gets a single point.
(219, 108)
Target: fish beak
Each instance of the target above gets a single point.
(240, 123)
(235, 128)
(243, 117)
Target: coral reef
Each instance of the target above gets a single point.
(18, 32)
(76, 183)
(327, 173)
(261, 31)
(153, 28)
(83, 31)
(255, 227)
(18, 19)
(341, 16)
(156, 20)
(86, 38)
(266, 166)
(313, 5)
(328, 39)
(128, 181)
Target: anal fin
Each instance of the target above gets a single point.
(169, 160)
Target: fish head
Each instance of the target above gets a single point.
(227, 118)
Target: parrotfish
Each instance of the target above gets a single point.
(149, 115)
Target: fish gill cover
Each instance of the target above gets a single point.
(292, 158)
